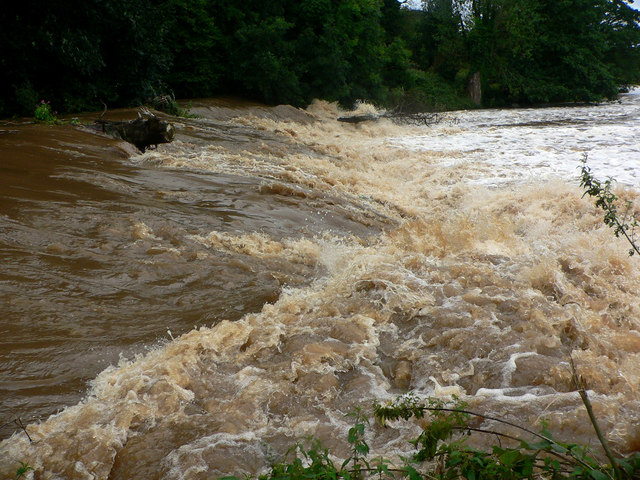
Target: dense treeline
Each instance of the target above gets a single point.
(78, 53)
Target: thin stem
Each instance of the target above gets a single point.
(504, 435)
(24, 429)
(581, 386)
(490, 432)
(506, 422)
(624, 232)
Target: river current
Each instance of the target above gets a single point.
(193, 311)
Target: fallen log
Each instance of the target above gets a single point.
(359, 118)
(425, 118)
(141, 132)
(422, 118)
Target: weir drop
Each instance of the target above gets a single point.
(193, 311)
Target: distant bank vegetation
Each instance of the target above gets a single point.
(448, 54)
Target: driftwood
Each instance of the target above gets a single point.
(143, 132)
(359, 118)
(396, 117)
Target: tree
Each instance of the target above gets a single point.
(503, 44)
(532, 51)
(76, 52)
(443, 38)
(622, 41)
(197, 48)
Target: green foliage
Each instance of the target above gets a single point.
(533, 51)
(268, 71)
(359, 446)
(25, 98)
(315, 462)
(397, 65)
(22, 470)
(122, 52)
(442, 453)
(445, 38)
(196, 43)
(44, 114)
(79, 52)
(622, 222)
(427, 92)
(444, 440)
(622, 38)
(312, 463)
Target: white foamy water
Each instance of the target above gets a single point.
(520, 145)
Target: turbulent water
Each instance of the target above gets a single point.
(193, 311)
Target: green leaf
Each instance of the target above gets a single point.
(598, 475)
(542, 445)
(412, 473)
(469, 474)
(509, 457)
(558, 448)
(362, 448)
(527, 466)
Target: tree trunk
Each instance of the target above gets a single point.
(474, 88)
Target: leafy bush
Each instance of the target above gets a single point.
(25, 97)
(428, 93)
(441, 451)
(44, 114)
(443, 441)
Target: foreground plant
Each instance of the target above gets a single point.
(442, 453)
(443, 442)
(621, 222)
(22, 470)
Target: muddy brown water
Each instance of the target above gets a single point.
(193, 311)
(99, 261)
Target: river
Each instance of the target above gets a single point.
(192, 311)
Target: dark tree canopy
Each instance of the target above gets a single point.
(79, 53)
(532, 51)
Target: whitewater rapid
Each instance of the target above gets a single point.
(537, 144)
(455, 258)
